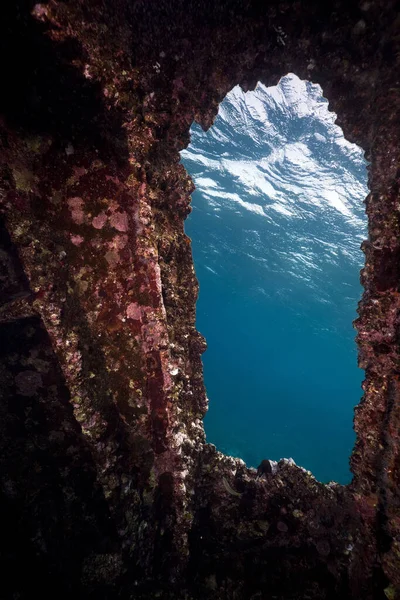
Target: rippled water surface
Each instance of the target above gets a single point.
(277, 222)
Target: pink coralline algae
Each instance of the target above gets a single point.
(119, 242)
(40, 11)
(134, 311)
(99, 221)
(119, 220)
(112, 257)
(155, 336)
(79, 172)
(28, 382)
(76, 240)
(75, 206)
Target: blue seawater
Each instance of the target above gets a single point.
(276, 227)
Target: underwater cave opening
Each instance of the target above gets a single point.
(276, 227)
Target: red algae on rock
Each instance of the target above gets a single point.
(109, 488)
(119, 220)
(133, 311)
(75, 205)
(99, 221)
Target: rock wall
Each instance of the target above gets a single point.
(107, 484)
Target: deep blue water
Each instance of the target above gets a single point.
(277, 222)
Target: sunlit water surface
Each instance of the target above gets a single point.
(277, 222)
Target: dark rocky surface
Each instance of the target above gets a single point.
(108, 488)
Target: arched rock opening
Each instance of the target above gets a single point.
(277, 222)
(94, 208)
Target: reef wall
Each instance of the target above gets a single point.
(108, 488)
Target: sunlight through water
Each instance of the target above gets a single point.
(277, 222)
